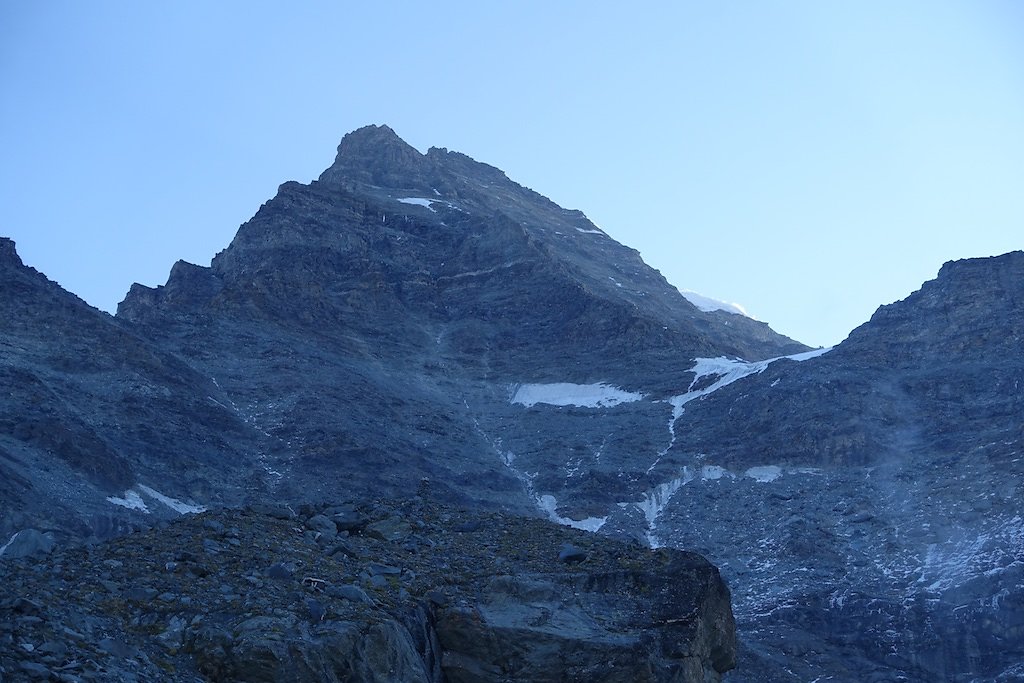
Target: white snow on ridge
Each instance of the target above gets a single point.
(589, 232)
(807, 355)
(707, 304)
(429, 203)
(598, 395)
(729, 370)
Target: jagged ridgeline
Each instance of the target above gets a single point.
(420, 325)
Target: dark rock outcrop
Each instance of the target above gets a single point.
(200, 598)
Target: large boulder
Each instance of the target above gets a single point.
(27, 543)
(459, 597)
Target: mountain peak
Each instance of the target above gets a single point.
(373, 154)
(8, 254)
(372, 137)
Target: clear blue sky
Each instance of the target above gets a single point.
(808, 160)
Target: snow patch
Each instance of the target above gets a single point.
(714, 473)
(589, 232)
(173, 503)
(729, 370)
(549, 505)
(599, 395)
(707, 304)
(131, 500)
(418, 201)
(476, 273)
(807, 355)
(655, 501)
(764, 473)
(5, 545)
(429, 203)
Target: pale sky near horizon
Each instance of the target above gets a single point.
(808, 160)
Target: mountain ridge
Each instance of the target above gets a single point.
(415, 317)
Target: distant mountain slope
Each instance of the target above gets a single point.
(90, 411)
(865, 505)
(863, 501)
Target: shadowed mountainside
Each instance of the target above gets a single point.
(412, 317)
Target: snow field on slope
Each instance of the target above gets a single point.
(728, 371)
(598, 395)
(603, 395)
(418, 201)
(133, 501)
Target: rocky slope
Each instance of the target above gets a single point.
(864, 504)
(376, 317)
(368, 591)
(90, 412)
(412, 316)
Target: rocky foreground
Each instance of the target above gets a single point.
(380, 591)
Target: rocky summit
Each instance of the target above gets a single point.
(421, 331)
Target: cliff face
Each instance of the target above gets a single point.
(369, 591)
(90, 410)
(382, 314)
(412, 317)
(392, 249)
(359, 336)
(866, 500)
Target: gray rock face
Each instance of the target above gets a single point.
(90, 411)
(493, 604)
(524, 625)
(419, 325)
(863, 504)
(364, 322)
